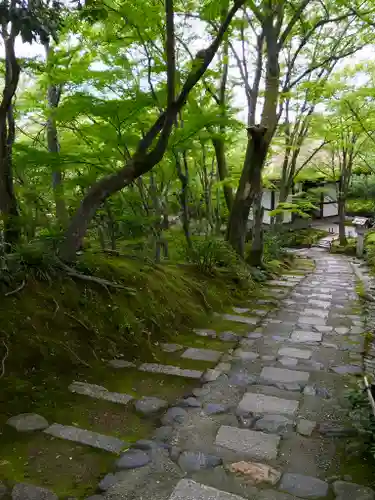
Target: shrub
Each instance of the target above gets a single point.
(362, 417)
(302, 237)
(360, 206)
(348, 249)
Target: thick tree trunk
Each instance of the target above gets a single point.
(143, 160)
(248, 188)
(8, 201)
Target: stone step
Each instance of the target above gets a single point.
(89, 438)
(99, 392)
(202, 354)
(248, 320)
(187, 489)
(260, 404)
(170, 370)
(248, 443)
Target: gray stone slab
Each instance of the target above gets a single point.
(302, 336)
(352, 491)
(121, 363)
(311, 320)
(83, 436)
(292, 352)
(170, 370)
(171, 347)
(188, 489)
(305, 427)
(288, 361)
(99, 392)
(281, 283)
(259, 404)
(269, 374)
(205, 333)
(241, 310)
(202, 354)
(245, 355)
(252, 444)
(303, 486)
(28, 422)
(248, 320)
(23, 491)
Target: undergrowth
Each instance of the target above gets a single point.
(362, 417)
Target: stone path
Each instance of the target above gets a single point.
(270, 418)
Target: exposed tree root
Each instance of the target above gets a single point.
(12, 292)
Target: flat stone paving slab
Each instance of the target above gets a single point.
(188, 489)
(292, 352)
(99, 392)
(202, 354)
(27, 422)
(302, 336)
(253, 444)
(281, 283)
(248, 320)
(311, 320)
(303, 486)
(261, 403)
(83, 436)
(170, 370)
(352, 491)
(23, 491)
(282, 375)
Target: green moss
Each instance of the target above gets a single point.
(348, 249)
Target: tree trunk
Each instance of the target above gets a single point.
(248, 188)
(341, 210)
(8, 201)
(255, 257)
(53, 98)
(184, 179)
(221, 160)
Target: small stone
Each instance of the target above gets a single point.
(305, 427)
(245, 355)
(303, 336)
(256, 473)
(174, 415)
(150, 405)
(132, 459)
(211, 375)
(148, 444)
(241, 310)
(205, 333)
(121, 363)
(303, 486)
(190, 403)
(229, 337)
(171, 347)
(268, 358)
(333, 429)
(23, 491)
(27, 422)
(202, 354)
(288, 362)
(342, 330)
(347, 369)
(309, 390)
(242, 379)
(163, 434)
(214, 409)
(254, 335)
(276, 424)
(352, 491)
(245, 421)
(107, 481)
(322, 392)
(192, 461)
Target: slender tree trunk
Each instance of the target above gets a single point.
(184, 179)
(8, 201)
(53, 97)
(248, 188)
(341, 207)
(219, 146)
(255, 257)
